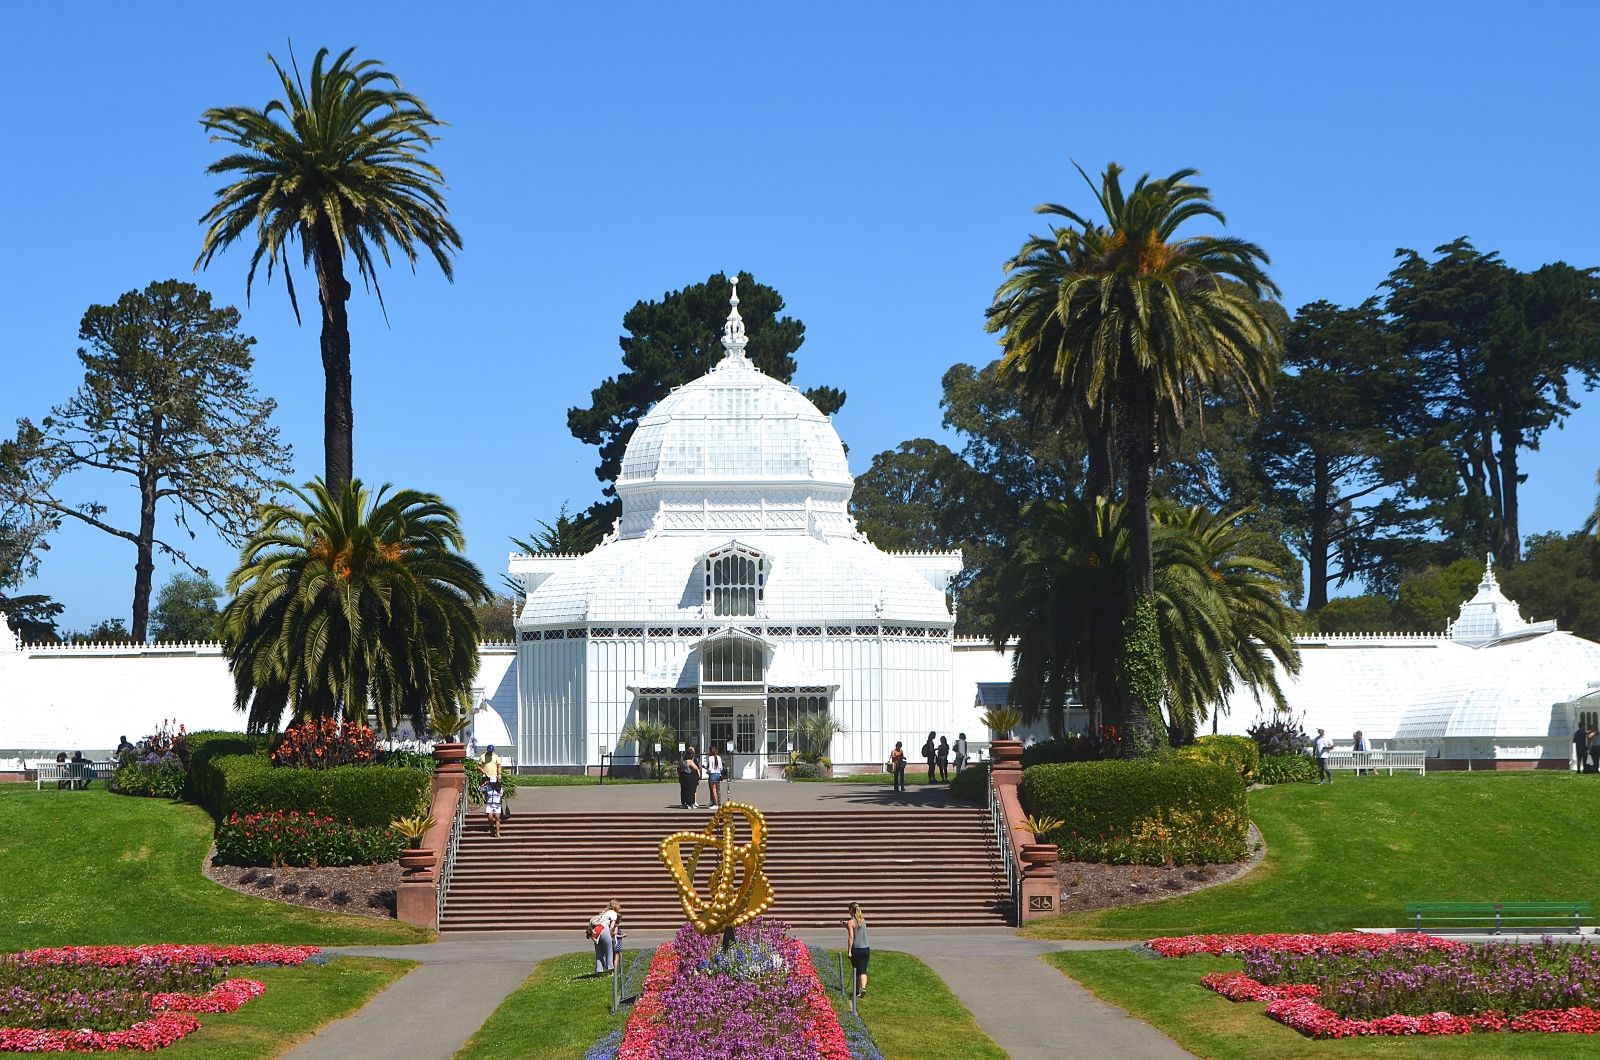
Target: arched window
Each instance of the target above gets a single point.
(732, 660)
(736, 581)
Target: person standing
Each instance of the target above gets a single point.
(607, 937)
(714, 776)
(944, 760)
(930, 752)
(859, 945)
(689, 779)
(1361, 747)
(492, 797)
(897, 766)
(1594, 751)
(961, 752)
(1580, 746)
(1321, 748)
(494, 773)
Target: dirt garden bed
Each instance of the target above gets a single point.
(1087, 885)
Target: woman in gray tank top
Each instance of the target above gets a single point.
(859, 945)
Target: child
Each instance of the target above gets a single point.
(492, 797)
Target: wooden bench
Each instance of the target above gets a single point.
(1378, 761)
(71, 775)
(1494, 917)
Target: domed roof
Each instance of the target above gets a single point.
(734, 425)
(1508, 689)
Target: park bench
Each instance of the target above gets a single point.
(1378, 761)
(71, 774)
(1494, 917)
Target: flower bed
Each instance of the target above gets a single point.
(111, 998)
(762, 998)
(1346, 986)
(306, 839)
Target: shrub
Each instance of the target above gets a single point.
(1142, 813)
(1238, 753)
(308, 839)
(1076, 747)
(326, 743)
(407, 760)
(204, 784)
(803, 771)
(1288, 769)
(369, 797)
(151, 775)
(1279, 735)
(971, 784)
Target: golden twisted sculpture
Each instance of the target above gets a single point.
(740, 891)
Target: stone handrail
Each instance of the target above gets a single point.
(417, 900)
(1033, 861)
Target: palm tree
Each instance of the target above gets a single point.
(337, 167)
(1129, 321)
(359, 601)
(1224, 613)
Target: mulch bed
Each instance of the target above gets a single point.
(1088, 885)
(364, 890)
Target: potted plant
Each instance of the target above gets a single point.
(1002, 721)
(448, 723)
(814, 733)
(412, 829)
(1043, 824)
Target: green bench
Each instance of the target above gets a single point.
(1495, 917)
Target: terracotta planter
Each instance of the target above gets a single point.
(1006, 752)
(412, 860)
(1040, 854)
(450, 756)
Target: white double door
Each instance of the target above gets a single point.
(735, 730)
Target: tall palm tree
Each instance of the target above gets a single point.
(1130, 321)
(1224, 612)
(338, 167)
(358, 601)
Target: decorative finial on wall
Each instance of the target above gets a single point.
(733, 337)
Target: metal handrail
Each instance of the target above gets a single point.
(447, 862)
(1002, 835)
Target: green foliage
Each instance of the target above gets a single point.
(368, 796)
(1288, 769)
(814, 735)
(31, 616)
(1239, 753)
(204, 785)
(357, 600)
(803, 771)
(302, 839)
(675, 340)
(1280, 734)
(339, 169)
(162, 778)
(971, 784)
(1142, 813)
(1075, 747)
(1002, 721)
(1559, 578)
(1142, 678)
(1354, 614)
(167, 406)
(648, 734)
(186, 609)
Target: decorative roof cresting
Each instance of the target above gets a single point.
(733, 337)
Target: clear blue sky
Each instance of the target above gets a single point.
(874, 162)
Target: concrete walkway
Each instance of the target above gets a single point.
(1030, 1009)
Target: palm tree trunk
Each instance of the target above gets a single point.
(338, 415)
(1097, 439)
(1142, 674)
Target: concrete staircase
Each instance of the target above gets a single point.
(907, 866)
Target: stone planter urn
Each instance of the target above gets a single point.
(412, 859)
(450, 758)
(1006, 752)
(1040, 854)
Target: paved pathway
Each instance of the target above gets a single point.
(1029, 1008)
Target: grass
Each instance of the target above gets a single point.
(297, 1002)
(913, 1016)
(92, 868)
(1353, 853)
(1168, 994)
(561, 1011)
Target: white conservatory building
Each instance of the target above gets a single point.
(735, 596)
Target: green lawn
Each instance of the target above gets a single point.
(92, 868)
(561, 1011)
(297, 1002)
(1168, 994)
(913, 1016)
(1352, 853)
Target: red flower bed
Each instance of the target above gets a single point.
(314, 744)
(171, 1013)
(1236, 986)
(1336, 942)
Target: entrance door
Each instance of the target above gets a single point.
(721, 730)
(747, 746)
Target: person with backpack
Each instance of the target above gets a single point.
(930, 752)
(689, 780)
(603, 930)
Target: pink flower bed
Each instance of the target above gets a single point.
(1295, 1004)
(171, 1014)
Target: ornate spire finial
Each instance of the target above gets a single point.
(733, 338)
(1488, 569)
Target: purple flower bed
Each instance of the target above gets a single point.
(1509, 979)
(66, 997)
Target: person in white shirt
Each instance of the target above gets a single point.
(960, 748)
(1321, 747)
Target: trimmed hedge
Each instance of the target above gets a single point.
(971, 784)
(1142, 813)
(1239, 753)
(1288, 769)
(204, 785)
(368, 796)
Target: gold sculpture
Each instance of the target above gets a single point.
(740, 891)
